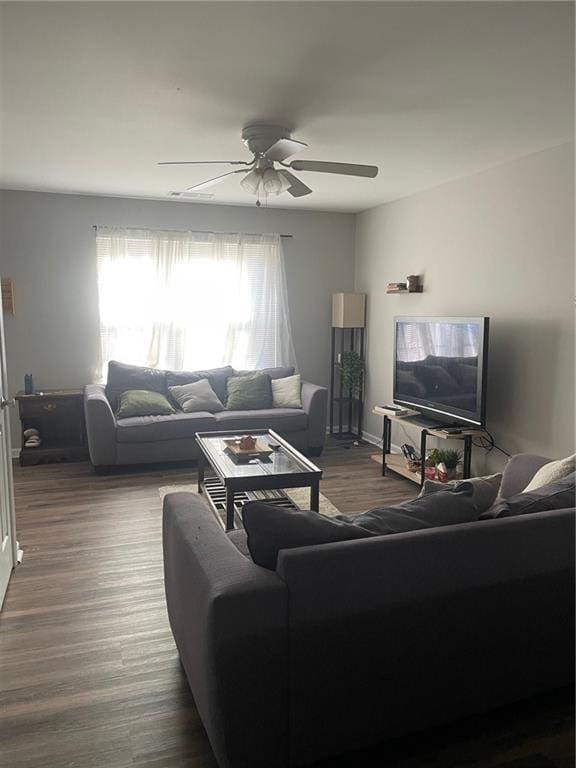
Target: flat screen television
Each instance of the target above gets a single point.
(440, 366)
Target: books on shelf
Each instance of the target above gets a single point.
(396, 288)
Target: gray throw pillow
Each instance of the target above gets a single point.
(484, 489)
(216, 376)
(249, 393)
(142, 402)
(123, 377)
(270, 528)
(449, 507)
(558, 495)
(197, 396)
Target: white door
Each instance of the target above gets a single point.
(8, 545)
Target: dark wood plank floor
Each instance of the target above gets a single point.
(89, 675)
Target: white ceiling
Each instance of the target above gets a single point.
(94, 94)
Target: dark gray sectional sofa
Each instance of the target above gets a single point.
(351, 643)
(152, 439)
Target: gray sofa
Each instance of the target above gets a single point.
(152, 439)
(352, 643)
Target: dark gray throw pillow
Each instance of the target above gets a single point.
(448, 507)
(558, 495)
(123, 377)
(484, 489)
(216, 376)
(270, 528)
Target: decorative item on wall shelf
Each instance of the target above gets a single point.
(7, 295)
(413, 284)
(347, 365)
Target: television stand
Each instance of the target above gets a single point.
(396, 463)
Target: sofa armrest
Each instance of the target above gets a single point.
(229, 620)
(100, 425)
(315, 404)
(518, 472)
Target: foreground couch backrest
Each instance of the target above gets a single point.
(150, 439)
(351, 643)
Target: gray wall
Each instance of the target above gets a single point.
(48, 249)
(499, 243)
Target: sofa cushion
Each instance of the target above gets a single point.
(249, 392)
(449, 507)
(142, 402)
(558, 495)
(196, 396)
(216, 376)
(281, 420)
(148, 429)
(484, 489)
(280, 372)
(270, 528)
(122, 377)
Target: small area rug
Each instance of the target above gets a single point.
(300, 497)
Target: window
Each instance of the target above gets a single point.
(186, 300)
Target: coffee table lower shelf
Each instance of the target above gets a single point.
(215, 493)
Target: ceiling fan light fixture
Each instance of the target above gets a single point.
(274, 183)
(251, 182)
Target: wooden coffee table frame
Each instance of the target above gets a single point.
(309, 477)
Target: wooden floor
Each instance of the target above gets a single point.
(89, 675)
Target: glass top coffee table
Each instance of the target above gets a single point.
(283, 468)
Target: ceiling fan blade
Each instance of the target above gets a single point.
(297, 188)
(215, 180)
(206, 162)
(284, 148)
(346, 169)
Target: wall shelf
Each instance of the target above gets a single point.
(413, 284)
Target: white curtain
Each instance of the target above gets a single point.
(417, 341)
(187, 301)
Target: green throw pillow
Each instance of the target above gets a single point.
(142, 402)
(249, 393)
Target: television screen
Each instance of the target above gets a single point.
(440, 367)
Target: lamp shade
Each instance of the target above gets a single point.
(348, 310)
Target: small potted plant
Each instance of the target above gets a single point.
(432, 459)
(450, 459)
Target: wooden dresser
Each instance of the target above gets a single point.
(58, 415)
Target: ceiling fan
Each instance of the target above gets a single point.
(270, 144)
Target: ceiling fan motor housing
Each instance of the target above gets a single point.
(259, 138)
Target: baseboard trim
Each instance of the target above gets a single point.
(377, 441)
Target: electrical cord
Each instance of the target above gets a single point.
(488, 444)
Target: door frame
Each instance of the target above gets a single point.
(6, 469)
